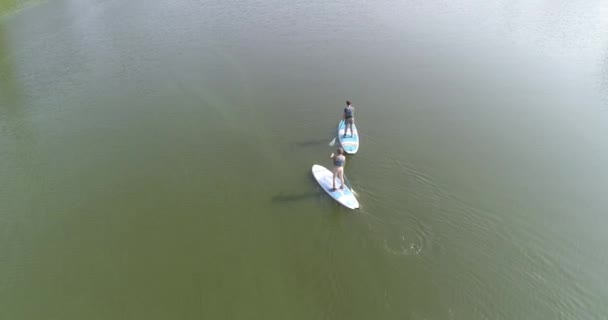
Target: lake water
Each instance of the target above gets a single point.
(155, 159)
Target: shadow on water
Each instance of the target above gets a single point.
(294, 197)
(284, 197)
(313, 142)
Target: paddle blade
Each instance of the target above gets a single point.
(332, 142)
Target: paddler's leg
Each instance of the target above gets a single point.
(347, 126)
(341, 175)
(333, 180)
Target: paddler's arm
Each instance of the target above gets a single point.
(331, 156)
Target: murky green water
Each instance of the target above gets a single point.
(155, 160)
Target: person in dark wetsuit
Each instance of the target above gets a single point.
(339, 161)
(349, 118)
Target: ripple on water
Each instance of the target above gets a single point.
(404, 246)
(402, 214)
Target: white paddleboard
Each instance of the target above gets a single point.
(350, 143)
(345, 197)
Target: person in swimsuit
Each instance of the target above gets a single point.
(349, 118)
(339, 161)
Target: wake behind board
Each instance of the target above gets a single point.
(350, 143)
(345, 197)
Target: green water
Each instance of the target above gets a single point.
(155, 159)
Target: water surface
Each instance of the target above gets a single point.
(155, 160)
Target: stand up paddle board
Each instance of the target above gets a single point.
(350, 143)
(345, 197)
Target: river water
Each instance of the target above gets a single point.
(155, 159)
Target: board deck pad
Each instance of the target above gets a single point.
(350, 144)
(344, 197)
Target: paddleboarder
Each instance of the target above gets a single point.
(349, 118)
(339, 161)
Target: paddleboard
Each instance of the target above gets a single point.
(350, 143)
(345, 197)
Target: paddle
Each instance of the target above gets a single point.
(332, 142)
(350, 186)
